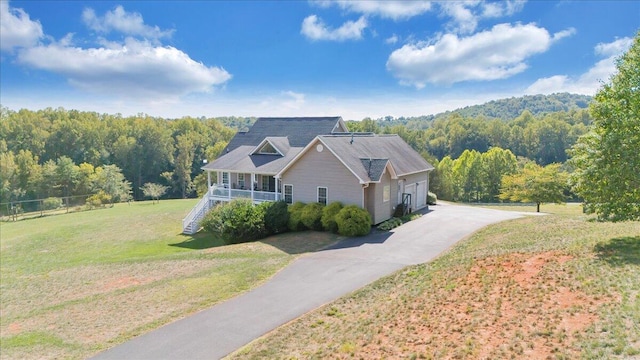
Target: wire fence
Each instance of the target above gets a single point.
(26, 209)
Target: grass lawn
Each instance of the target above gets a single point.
(544, 287)
(72, 285)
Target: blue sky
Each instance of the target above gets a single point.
(354, 59)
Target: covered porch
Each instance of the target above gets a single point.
(253, 186)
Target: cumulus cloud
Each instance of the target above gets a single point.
(395, 10)
(133, 69)
(465, 15)
(314, 29)
(17, 29)
(497, 53)
(124, 22)
(589, 82)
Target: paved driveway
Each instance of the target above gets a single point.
(309, 282)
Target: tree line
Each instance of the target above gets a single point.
(544, 138)
(58, 152)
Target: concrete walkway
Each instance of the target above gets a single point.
(309, 282)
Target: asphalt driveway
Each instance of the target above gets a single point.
(309, 282)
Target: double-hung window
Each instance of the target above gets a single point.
(241, 181)
(288, 193)
(322, 195)
(225, 179)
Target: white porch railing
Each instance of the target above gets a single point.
(219, 193)
(191, 223)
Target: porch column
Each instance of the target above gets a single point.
(229, 184)
(276, 187)
(253, 180)
(209, 182)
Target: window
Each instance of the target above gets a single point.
(265, 183)
(322, 195)
(268, 149)
(386, 193)
(288, 193)
(241, 181)
(225, 179)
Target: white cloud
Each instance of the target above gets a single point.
(615, 48)
(589, 82)
(392, 39)
(489, 55)
(121, 21)
(395, 10)
(465, 15)
(17, 29)
(135, 69)
(315, 29)
(293, 100)
(563, 34)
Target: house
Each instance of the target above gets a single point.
(316, 159)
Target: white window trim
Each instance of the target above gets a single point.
(284, 193)
(241, 181)
(228, 176)
(386, 190)
(326, 194)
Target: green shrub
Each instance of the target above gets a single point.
(236, 221)
(311, 216)
(329, 216)
(98, 199)
(431, 198)
(51, 203)
(353, 221)
(390, 224)
(295, 216)
(276, 217)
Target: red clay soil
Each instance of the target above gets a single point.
(514, 306)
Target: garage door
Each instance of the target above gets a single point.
(421, 197)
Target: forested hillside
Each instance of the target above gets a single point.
(507, 109)
(58, 152)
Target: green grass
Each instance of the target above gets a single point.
(74, 284)
(558, 286)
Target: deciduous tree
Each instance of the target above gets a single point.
(535, 184)
(607, 159)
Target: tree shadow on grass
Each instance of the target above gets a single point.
(620, 251)
(199, 241)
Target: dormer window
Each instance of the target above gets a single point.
(268, 149)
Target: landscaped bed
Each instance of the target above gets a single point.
(75, 284)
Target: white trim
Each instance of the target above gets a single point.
(309, 146)
(222, 176)
(417, 172)
(326, 194)
(386, 189)
(257, 149)
(284, 193)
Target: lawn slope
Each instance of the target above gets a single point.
(72, 285)
(556, 286)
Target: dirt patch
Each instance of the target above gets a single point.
(508, 307)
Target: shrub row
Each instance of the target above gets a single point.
(240, 221)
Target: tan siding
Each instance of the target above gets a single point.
(315, 169)
(382, 210)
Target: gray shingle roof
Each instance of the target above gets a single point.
(300, 131)
(403, 158)
(240, 161)
(374, 167)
